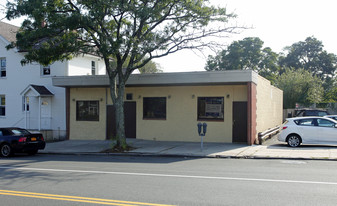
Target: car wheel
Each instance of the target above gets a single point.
(33, 152)
(294, 140)
(5, 150)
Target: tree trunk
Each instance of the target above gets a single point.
(117, 96)
(119, 106)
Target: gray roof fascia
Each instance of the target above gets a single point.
(42, 90)
(163, 79)
(39, 90)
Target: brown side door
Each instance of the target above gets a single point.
(129, 120)
(240, 122)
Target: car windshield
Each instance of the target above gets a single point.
(19, 131)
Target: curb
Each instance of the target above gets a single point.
(186, 156)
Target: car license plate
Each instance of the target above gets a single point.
(33, 139)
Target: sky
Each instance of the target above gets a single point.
(279, 23)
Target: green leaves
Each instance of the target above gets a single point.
(134, 29)
(306, 73)
(299, 86)
(246, 54)
(309, 54)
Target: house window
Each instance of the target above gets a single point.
(93, 68)
(45, 70)
(25, 103)
(2, 105)
(87, 110)
(3, 67)
(210, 108)
(154, 108)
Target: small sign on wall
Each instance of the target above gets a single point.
(213, 110)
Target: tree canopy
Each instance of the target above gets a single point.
(309, 55)
(126, 34)
(331, 95)
(299, 86)
(245, 54)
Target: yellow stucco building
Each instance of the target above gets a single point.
(236, 105)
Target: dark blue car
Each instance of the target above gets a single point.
(17, 140)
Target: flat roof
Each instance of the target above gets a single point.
(163, 79)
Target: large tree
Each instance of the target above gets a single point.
(246, 54)
(126, 34)
(311, 56)
(299, 86)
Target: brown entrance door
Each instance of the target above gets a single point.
(129, 120)
(240, 122)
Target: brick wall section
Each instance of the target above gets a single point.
(269, 105)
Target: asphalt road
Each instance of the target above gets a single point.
(116, 180)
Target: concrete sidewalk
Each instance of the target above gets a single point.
(193, 149)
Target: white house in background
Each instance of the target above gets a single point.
(27, 97)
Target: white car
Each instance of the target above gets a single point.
(332, 116)
(309, 130)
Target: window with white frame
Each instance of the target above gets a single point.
(25, 103)
(45, 70)
(2, 105)
(3, 67)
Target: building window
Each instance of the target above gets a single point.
(154, 108)
(45, 70)
(2, 105)
(210, 108)
(87, 110)
(3, 67)
(129, 96)
(93, 68)
(25, 103)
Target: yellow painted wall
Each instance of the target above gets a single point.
(269, 105)
(87, 130)
(181, 119)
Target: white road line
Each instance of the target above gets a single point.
(168, 175)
